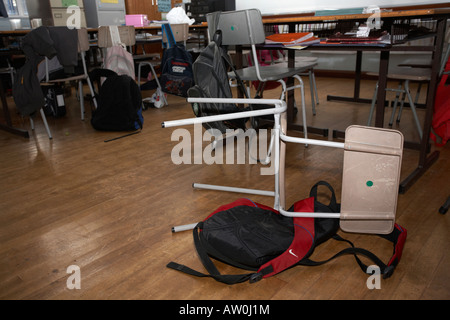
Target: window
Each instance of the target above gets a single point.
(16, 8)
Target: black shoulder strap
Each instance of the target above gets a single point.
(228, 63)
(397, 237)
(96, 75)
(333, 206)
(211, 268)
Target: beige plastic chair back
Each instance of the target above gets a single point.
(180, 32)
(371, 178)
(83, 40)
(127, 36)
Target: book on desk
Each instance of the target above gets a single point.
(298, 39)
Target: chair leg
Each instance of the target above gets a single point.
(313, 75)
(81, 94)
(159, 85)
(372, 107)
(313, 91)
(302, 91)
(44, 120)
(399, 116)
(91, 88)
(413, 109)
(156, 79)
(416, 100)
(394, 109)
(419, 88)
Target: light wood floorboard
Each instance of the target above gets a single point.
(109, 209)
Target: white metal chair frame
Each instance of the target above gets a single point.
(279, 150)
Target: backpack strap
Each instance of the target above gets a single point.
(397, 237)
(96, 75)
(318, 207)
(210, 267)
(301, 246)
(167, 29)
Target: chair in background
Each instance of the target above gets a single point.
(311, 62)
(299, 60)
(245, 27)
(127, 36)
(181, 34)
(405, 75)
(83, 47)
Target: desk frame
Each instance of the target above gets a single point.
(440, 16)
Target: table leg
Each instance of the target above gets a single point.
(382, 82)
(425, 160)
(357, 87)
(8, 127)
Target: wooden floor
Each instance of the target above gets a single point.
(108, 208)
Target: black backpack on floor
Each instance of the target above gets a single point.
(255, 237)
(119, 103)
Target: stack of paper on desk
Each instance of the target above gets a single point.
(292, 39)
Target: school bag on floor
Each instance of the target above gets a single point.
(255, 237)
(119, 102)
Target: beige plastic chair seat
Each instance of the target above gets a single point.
(406, 73)
(271, 73)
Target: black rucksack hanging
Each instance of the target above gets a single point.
(176, 66)
(211, 81)
(255, 237)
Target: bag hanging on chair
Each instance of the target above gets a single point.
(117, 58)
(176, 66)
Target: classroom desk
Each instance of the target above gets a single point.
(440, 15)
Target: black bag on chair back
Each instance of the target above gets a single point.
(176, 67)
(211, 81)
(119, 103)
(255, 237)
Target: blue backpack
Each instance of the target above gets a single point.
(177, 76)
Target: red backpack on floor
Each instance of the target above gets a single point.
(255, 237)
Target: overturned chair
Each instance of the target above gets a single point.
(372, 165)
(371, 174)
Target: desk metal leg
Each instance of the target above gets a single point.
(425, 160)
(382, 82)
(8, 126)
(291, 101)
(357, 87)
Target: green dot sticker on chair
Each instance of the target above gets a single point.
(369, 183)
